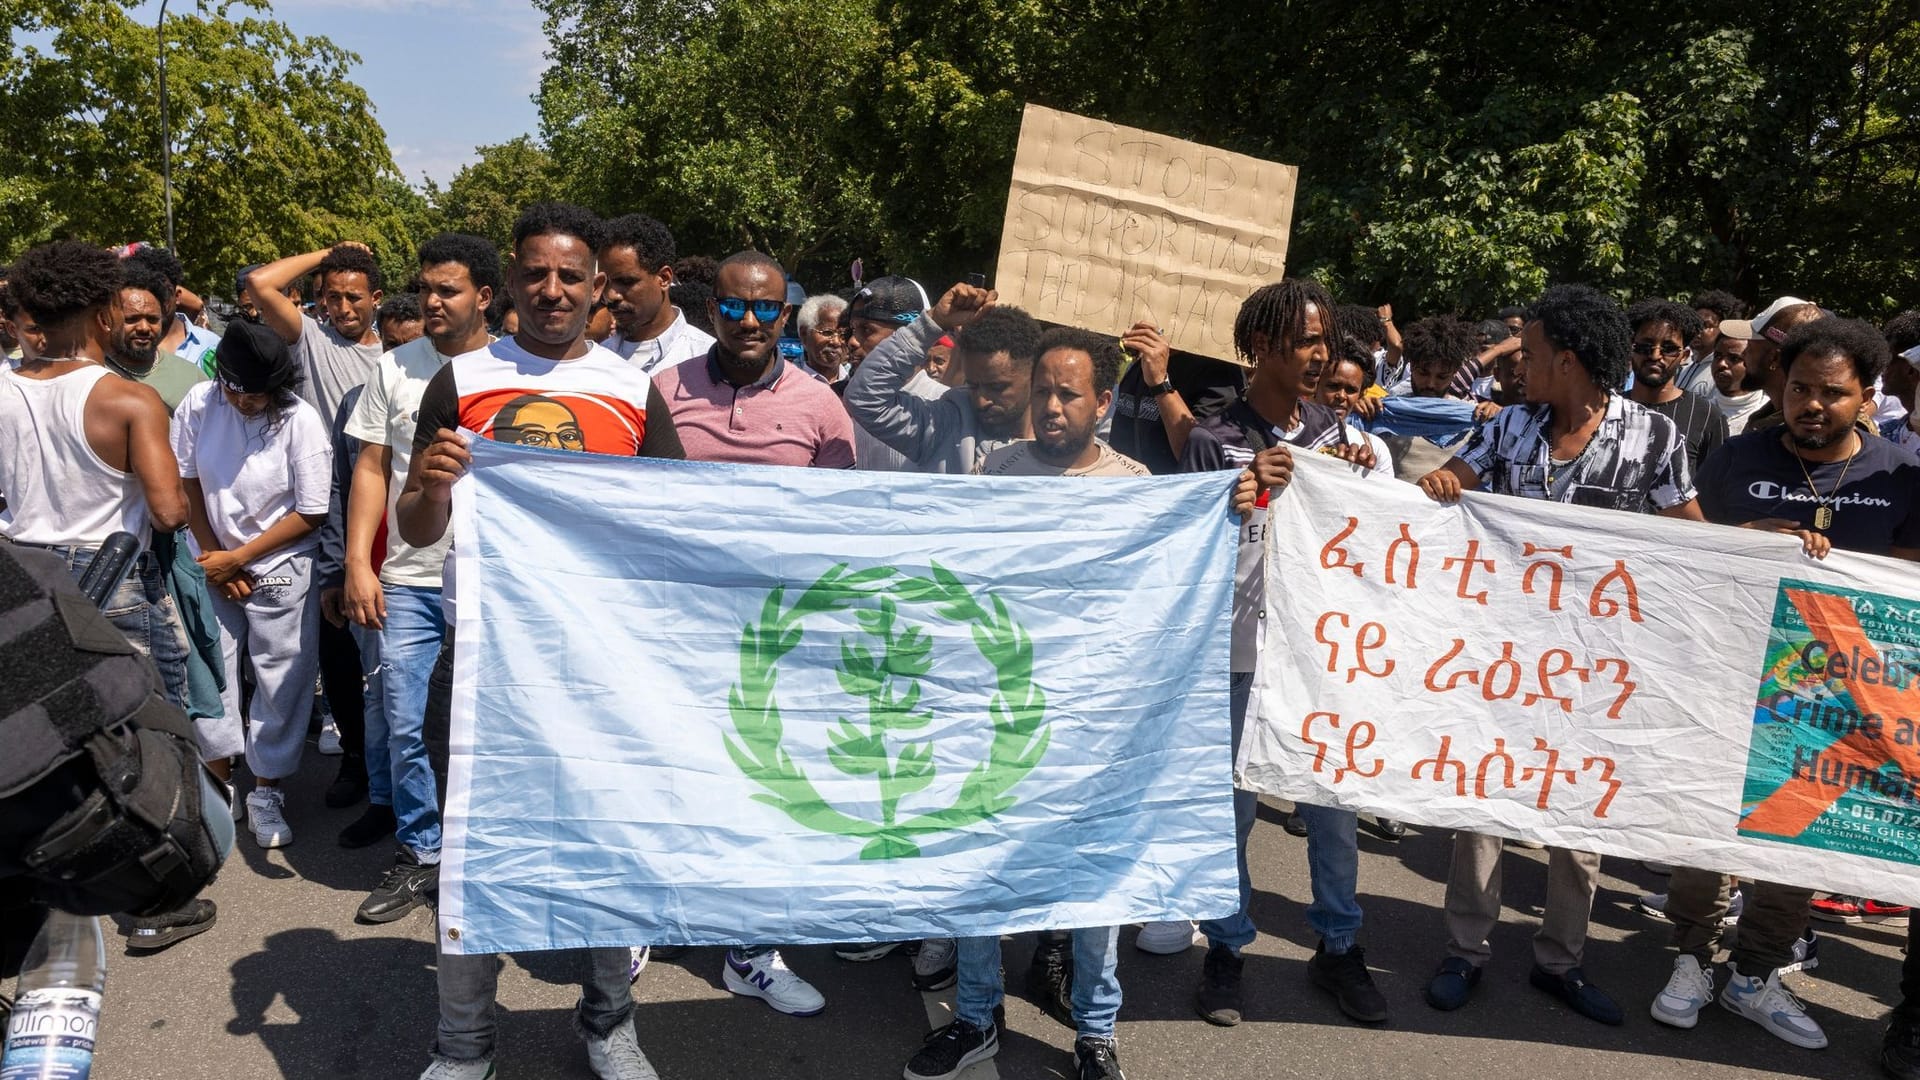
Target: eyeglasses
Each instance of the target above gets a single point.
(1667, 349)
(733, 308)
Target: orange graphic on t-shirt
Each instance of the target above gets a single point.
(556, 419)
(1798, 802)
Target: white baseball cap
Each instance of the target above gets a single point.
(1756, 328)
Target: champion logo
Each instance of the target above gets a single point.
(1768, 490)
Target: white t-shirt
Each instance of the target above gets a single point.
(1737, 409)
(1382, 456)
(388, 410)
(255, 471)
(678, 343)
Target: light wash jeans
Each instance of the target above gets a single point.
(1096, 981)
(1333, 858)
(409, 643)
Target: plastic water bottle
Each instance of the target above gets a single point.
(57, 1013)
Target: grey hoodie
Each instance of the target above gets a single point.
(937, 436)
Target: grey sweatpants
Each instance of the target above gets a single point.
(277, 629)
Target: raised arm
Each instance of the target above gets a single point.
(876, 397)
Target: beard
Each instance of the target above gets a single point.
(1071, 445)
(1653, 383)
(136, 356)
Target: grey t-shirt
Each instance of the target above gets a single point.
(332, 365)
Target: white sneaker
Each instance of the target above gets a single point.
(445, 1068)
(618, 1056)
(1654, 905)
(1768, 1004)
(937, 965)
(637, 962)
(267, 817)
(234, 800)
(768, 978)
(330, 738)
(1165, 938)
(1686, 993)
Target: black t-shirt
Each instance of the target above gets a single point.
(1877, 508)
(1206, 385)
(1701, 426)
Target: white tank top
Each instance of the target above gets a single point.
(58, 491)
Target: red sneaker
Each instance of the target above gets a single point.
(1840, 909)
(1875, 911)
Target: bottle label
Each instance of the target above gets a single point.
(50, 1036)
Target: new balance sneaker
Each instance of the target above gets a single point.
(1858, 909)
(267, 817)
(155, 932)
(446, 1068)
(406, 886)
(861, 952)
(1097, 1059)
(937, 965)
(1345, 976)
(1050, 981)
(1688, 990)
(618, 1056)
(1806, 953)
(1654, 906)
(767, 977)
(1218, 999)
(950, 1049)
(1165, 938)
(637, 962)
(1766, 1002)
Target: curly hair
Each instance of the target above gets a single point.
(148, 280)
(476, 253)
(350, 260)
(560, 219)
(695, 270)
(1440, 341)
(160, 261)
(1360, 321)
(402, 307)
(652, 242)
(1724, 305)
(1854, 339)
(1104, 351)
(1902, 331)
(1589, 324)
(1351, 347)
(691, 298)
(1007, 330)
(1679, 316)
(58, 282)
(1278, 313)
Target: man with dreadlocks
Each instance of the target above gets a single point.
(1282, 332)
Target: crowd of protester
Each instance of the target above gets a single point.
(290, 480)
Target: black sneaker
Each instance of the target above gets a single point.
(1900, 1050)
(1219, 996)
(1345, 976)
(1097, 1059)
(375, 823)
(1385, 828)
(1050, 981)
(349, 784)
(155, 932)
(405, 887)
(951, 1049)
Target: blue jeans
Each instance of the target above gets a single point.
(1333, 858)
(1236, 931)
(143, 610)
(1096, 981)
(409, 643)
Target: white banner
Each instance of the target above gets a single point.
(1603, 681)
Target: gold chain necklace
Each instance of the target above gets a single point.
(1823, 516)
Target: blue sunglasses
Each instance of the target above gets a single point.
(733, 309)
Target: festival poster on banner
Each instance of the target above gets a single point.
(831, 706)
(1610, 682)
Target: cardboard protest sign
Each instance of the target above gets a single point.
(1108, 226)
(1596, 680)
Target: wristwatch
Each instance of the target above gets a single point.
(1161, 388)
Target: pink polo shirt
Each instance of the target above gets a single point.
(783, 418)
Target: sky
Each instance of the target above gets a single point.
(445, 76)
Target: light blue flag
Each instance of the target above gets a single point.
(709, 704)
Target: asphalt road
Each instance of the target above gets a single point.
(286, 984)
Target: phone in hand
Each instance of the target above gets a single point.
(978, 281)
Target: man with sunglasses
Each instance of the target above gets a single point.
(1661, 330)
(744, 402)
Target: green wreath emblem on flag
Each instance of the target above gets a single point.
(887, 678)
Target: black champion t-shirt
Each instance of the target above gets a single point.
(1877, 507)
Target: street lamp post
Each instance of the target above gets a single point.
(166, 133)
